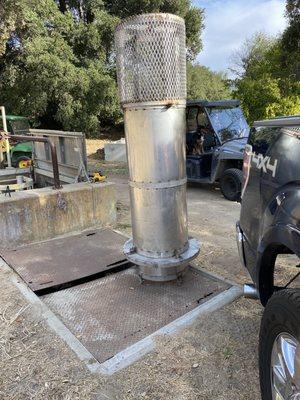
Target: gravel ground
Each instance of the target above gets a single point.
(214, 358)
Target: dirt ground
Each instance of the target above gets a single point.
(215, 358)
(92, 145)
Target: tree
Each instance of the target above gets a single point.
(205, 84)
(251, 54)
(193, 16)
(57, 57)
(291, 35)
(53, 68)
(264, 82)
(290, 41)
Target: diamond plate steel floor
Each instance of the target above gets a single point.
(60, 261)
(111, 313)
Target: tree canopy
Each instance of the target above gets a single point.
(202, 83)
(268, 71)
(57, 62)
(57, 59)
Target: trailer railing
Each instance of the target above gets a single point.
(29, 138)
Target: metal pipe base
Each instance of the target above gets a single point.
(162, 269)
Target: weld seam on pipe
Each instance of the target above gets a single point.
(158, 185)
(148, 105)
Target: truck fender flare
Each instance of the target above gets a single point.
(277, 235)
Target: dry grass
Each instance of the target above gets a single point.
(215, 358)
(92, 145)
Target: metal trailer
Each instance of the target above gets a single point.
(52, 150)
(151, 67)
(15, 184)
(71, 157)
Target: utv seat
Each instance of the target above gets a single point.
(209, 141)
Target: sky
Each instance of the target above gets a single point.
(229, 22)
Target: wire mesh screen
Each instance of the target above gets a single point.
(151, 58)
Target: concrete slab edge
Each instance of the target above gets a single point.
(52, 320)
(210, 274)
(132, 353)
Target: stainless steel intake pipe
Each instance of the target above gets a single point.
(151, 68)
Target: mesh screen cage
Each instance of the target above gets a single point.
(151, 58)
(151, 69)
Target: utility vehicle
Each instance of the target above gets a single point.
(21, 152)
(270, 225)
(217, 133)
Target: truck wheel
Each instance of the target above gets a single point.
(231, 184)
(279, 347)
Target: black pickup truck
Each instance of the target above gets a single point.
(270, 225)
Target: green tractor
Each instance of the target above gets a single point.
(21, 153)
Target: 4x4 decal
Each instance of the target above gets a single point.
(264, 163)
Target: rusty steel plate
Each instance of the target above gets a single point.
(111, 313)
(59, 261)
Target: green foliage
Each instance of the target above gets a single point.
(267, 71)
(57, 58)
(7, 22)
(53, 70)
(291, 36)
(290, 42)
(252, 55)
(193, 16)
(205, 84)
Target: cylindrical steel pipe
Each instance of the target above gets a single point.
(156, 149)
(151, 66)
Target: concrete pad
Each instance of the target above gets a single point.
(113, 312)
(132, 353)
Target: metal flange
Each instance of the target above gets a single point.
(159, 268)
